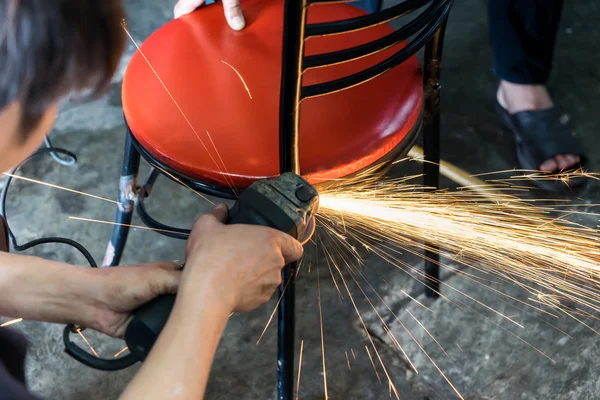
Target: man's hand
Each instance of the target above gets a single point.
(233, 11)
(235, 266)
(228, 268)
(114, 293)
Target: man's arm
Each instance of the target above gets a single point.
(102, 299)
(179, 364)
(228, 269)
(36, 289)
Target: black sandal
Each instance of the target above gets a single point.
(540, 135)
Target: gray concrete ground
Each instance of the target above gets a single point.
(483, 360)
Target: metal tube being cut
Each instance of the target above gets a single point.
(289, 120)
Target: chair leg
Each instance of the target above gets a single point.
(286, 321)
(127, 193)
(431, 168)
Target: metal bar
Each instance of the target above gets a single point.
(127, 188)
(433, 12)
(166, 230)
(381, 68)
(365, 21)
(291, 85)
(289, 160)
(431, 168)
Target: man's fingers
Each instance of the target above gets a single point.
(233, 14)
(166, 282)
(220, 212)
(291, 249)
(186, 6)
(169, 266)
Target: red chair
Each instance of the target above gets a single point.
(216, 110)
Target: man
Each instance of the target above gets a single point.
(49, 48)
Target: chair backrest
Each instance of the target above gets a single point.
(429, 15)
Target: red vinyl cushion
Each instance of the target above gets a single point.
(340, 134)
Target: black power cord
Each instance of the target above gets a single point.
(63, 157)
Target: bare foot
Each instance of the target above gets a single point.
(516, 98)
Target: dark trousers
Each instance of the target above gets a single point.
(523, 33)
(369, 6)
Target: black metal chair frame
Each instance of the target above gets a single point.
(426, 30)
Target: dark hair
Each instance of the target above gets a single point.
(49, 48)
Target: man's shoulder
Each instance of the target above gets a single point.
(13, 347)
(3, 234)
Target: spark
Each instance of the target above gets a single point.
(118, 224)
(460, 348)
(59, 187)
(373, 364)
(517, 240)
(121, 352)
(348, 361)
(322, 334)
(12, 322)
(176, 179)
(86, 342)
(353, 355)
(425, 329)
(240, 76)
(511, 238)
(416, 301)
(299, 370)
(274, 311)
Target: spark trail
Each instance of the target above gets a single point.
(553, 259)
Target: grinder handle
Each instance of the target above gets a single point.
(150, 319)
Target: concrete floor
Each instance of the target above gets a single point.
(483, 362)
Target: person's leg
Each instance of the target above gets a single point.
(523, 34)
(369, 6)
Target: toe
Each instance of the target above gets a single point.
(573, 160)
(562, 161)
(549, 165)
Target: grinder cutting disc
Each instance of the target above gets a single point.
(310, 230)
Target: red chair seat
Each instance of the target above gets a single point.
(341, 133)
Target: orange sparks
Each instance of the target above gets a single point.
(322, 335)
(348, 361)
(13, 322)
(176, 179)
(416, 301)
(425, 329)
(121, 352)
(299, 370)
(240, 76)
(86, 342)
(373, 364)
(59, 187)
(274, 311)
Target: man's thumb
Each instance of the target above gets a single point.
(221, 212)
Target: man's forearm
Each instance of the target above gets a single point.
(179, 364)
(36, 289)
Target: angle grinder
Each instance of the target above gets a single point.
(287, 203)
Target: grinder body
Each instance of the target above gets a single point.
(286, 203)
